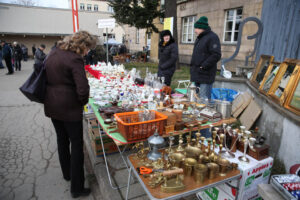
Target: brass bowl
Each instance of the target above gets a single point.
(192, 152)
(176, 159)
(177, 156)
(190, 161)
(223, 162)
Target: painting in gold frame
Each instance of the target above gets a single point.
(269, 77)
(293, 100)
(284, 80)
(261, 69)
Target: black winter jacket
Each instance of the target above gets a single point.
(18, 54)
(206, 54)
(6, 52)
(167, 55)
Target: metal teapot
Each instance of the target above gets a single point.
(192, 92)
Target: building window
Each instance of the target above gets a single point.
(111, 36)
(82, 6)
(137, 36)
(95, 7)
(188, 35)
(89, 7)
(233, 18)
(110, 9)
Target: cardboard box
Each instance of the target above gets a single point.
(250, 115)
(109, 145)
(214, 193)
(240, 103)
(253, 173)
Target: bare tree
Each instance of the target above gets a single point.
(25, 2)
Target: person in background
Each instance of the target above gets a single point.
(33, 50)
(6, 54)
(1, 64)
(206, 54)
(54, 46)
(39, 55)
(18, 54)
(66, 93)
(167, 54)
(25, 52)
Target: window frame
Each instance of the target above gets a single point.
(110, 9)
(96, 6)
(82, 5)
(87, 7)
(187, 33)
(234, 20)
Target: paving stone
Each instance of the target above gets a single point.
(24, 191)
(17, 182)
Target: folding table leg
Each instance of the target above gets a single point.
(128, 183)
(106, 165)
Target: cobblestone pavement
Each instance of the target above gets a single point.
(29, 166)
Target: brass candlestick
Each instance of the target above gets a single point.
(202, 143)
(198, 140)
(180, 148)
(199, 126)
(226, 153)
(221, 142)
(248, 140)
(209, 141)
(214, 134)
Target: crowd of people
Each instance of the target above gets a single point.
(13, 54)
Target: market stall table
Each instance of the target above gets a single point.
(119, 140)
(191, 186)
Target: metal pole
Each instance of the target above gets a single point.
(106, 46)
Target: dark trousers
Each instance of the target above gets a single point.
(71, 163)
(8, 65)
(18, 64)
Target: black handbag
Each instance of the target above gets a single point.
(35, 86)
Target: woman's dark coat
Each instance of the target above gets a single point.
(167, 55)
(206, 54)
(67, 86)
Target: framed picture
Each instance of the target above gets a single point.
(260, 70)
(269, 77)
(284, 80)
(293, 100)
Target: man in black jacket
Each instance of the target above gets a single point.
(6, 54)
(17, 56)
(168, 54)
(40, 56)
(206, 54)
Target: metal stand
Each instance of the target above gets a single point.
(106, 163)
(128, 183)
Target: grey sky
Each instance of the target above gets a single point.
(45, 3)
